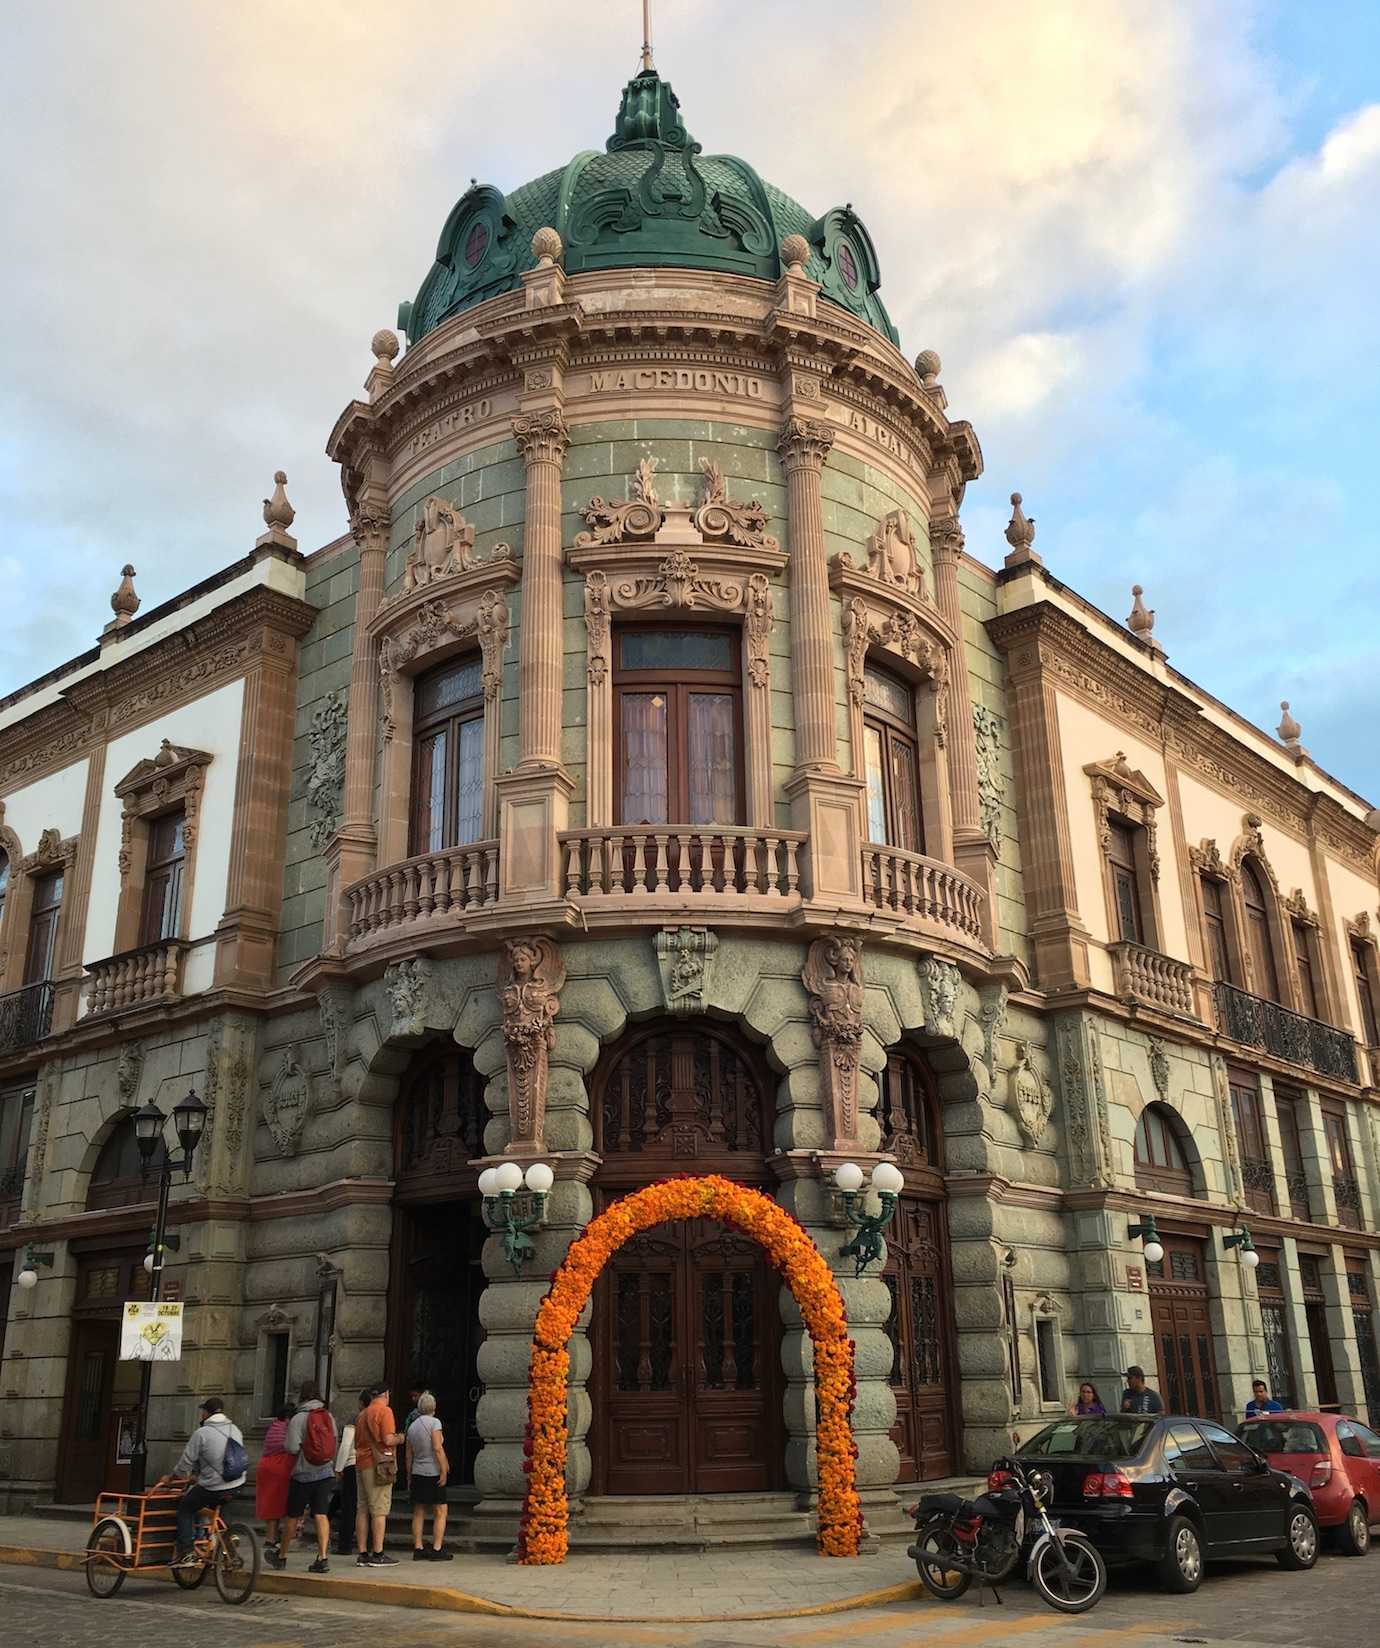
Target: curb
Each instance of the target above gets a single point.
(443, 1600)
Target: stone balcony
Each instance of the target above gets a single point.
(136, 978)
(925, 893)
(1152, 979)
(1255, 1022)
(647, 862)
(26, 1016)
(423, 893)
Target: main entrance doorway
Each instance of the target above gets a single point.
(1182, 1328)
(687, 1381)
(102, 1394)
(438, 1240)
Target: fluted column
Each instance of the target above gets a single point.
(542, 438)
(370, 528)
(804, 445)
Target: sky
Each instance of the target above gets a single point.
(1143, 235)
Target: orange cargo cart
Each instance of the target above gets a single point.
(137, 1533)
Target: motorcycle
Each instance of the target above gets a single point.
(958, 1541)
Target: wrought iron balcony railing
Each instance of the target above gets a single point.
(26, 1016)
(1157, 980)
(1258, 1023)
(1296, 1184)
(1258, 1180)
(1348, 1193)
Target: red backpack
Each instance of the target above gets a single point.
(318, 1440)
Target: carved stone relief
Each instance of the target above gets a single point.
(229, 1050)
(1119, 790)
(685, 956)
(442, 546)
(407, 985)
(987, 733)
(992, 1013)
(898, 632)
(1084, 1100)
(435, 624)
(327, 773)
(288, 1103)
(833, 980)
(333, 1004)
(1231, 1162)
(1029, 1095)
(939, 985)
(531, 977)
(38, 1151)
(892, 556)
(129, 1067)
(1159, 1067)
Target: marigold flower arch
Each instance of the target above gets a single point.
(544, 1534)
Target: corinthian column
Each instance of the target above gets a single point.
(542, 438)
(803, 446)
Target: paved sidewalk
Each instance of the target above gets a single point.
(762, 1583)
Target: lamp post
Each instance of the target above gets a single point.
(189, 1121)
(1146, 1231)
(28, 1277)
(1242, 1239)
(865, 1245)
(499, 1187)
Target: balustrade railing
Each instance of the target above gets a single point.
(647, 859)
(909, 884)
(1304, 1041)
(26, 1016)
(1145, 975)
(429, 887)
(151, 973)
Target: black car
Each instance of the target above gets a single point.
(1174, 1491)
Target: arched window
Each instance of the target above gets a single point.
(1160, 1160)
(1258, 931)
(117, 1179)
(440, 1119)
(448, 756)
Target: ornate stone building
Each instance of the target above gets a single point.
(653, 781)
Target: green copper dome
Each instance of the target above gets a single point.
(652, 199)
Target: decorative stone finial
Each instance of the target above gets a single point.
(547, 247)
(1141, 620)
(795, 253)
(278, 512)
(928, 366)
(1020, 534)
(385, 346)
(124, 603)
(1289, 730)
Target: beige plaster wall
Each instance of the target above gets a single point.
(51, 803)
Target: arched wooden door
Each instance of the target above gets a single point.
(916, 1274)
(437, 1252)
(687, 1393)
(1179, 1316)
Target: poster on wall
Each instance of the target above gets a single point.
(151, 1331)
(124, 1440)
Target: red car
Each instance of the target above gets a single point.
(1336, 1458)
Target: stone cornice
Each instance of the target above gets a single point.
(191, 661)
(1044, 637)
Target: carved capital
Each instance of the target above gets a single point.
(805, 443)
(939, 983)
(946, 539)
(370, 527)
(542, 437)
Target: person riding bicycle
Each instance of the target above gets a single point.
(215, 1460)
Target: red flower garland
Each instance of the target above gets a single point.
(544, 1533)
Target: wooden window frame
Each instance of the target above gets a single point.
(1289, 1101)
(1045, 1312)
(133, 1189)
(172, 779)
(678, 685)
(52, 856)
(894, 729)
(1364, 956)
(1150, 1175)
(1218, 918)
(171, 870)
(1123, 797)
(1265, 966)
(1306, 945)
(1252, 1137)
(448, 721)
(22, 1096)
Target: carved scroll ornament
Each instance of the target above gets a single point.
(903, 634)
(833, 981)
(1119, 790)
(438, 624)
(531, 976)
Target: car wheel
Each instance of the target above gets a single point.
(1301, 1550)
(1354, 1534)
(1181, 1566)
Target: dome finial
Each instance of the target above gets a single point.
(648, 67)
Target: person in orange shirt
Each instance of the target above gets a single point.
(376, 1470)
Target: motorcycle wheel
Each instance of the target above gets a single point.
(1079, 1587)
(936, 1576)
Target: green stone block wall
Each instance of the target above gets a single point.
(987, 685)
(323, 666)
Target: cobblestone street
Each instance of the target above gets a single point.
(1244, 1603)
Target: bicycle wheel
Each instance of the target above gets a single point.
(190, 1578)
(107, 1558)
(932, 1550)
(1074, 1588)
(236, 1562)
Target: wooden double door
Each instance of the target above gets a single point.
(688, 1384)
(920, 1327)
(1182, 1327)
(102, 1393)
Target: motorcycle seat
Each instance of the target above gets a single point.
(942, 1504)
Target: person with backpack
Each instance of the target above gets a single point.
(311, 1440)
(215, 1460)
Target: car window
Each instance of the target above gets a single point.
(1115, 1437)
(1186, 1450)
(1232, 1454)
(1283, 1436)
(1369, 1440)
(1348, 1441)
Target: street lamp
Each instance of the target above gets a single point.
(1154, 1250)
(189, 1123)
(503, 1215)
(28, 1277)
(1242, 1239)
(865, 1245)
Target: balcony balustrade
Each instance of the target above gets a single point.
(1155, 980)
(26, 1016)
(433, 887)
(914, 887)
(1258, 1023)
(152, 973)
(649, 861)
